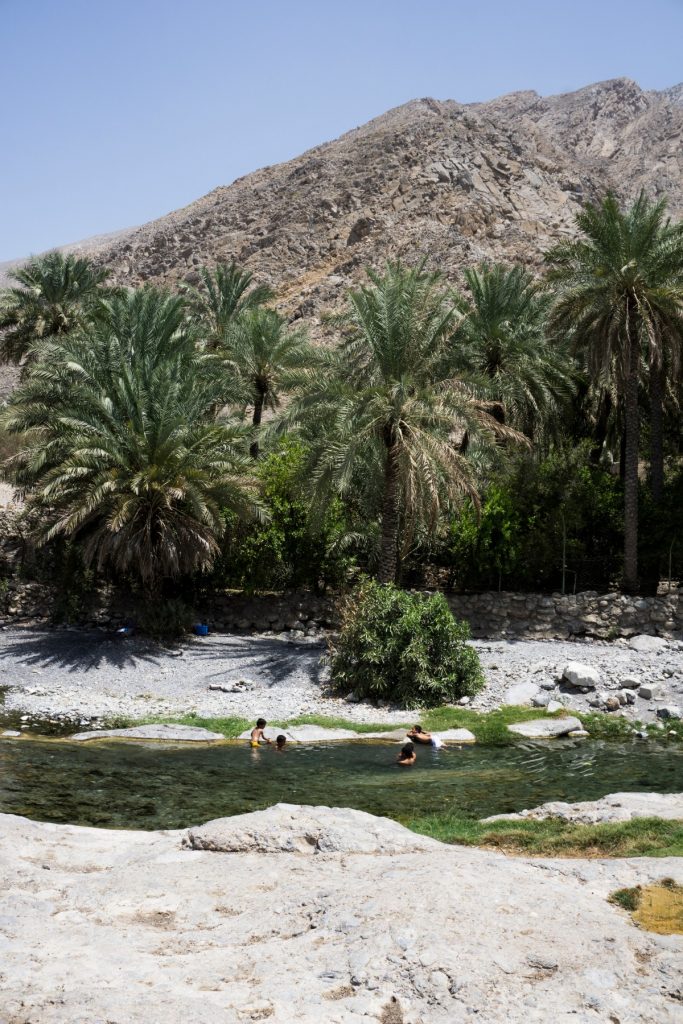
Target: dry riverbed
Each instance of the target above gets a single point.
(88, 676)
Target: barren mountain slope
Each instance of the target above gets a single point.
(454, 183)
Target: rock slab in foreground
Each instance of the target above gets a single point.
(614, 807)
(289, 828)
(130, 928)
(169, 733)
(546, 728)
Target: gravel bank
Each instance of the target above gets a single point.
(88, 675)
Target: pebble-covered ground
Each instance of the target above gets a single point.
(89, 675)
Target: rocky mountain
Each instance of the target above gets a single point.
(451, 182)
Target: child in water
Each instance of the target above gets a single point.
(407, 757)
(280, 742)
(257, 734)
(418, 734)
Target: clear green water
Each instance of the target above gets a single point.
(149, 787)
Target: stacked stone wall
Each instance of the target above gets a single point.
(491, 614)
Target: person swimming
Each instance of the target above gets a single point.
(280, 742)
(407, 756)
(257, 734)
(420, 735)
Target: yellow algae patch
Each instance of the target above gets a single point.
(660, 909)
(657, 907)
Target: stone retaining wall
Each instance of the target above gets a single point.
(555, 615)
(489, 614)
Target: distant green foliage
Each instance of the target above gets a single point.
(403, 647)
(527, 513)
(297, 544)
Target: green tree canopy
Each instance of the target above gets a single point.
(620, 302)
(503, 338)
(53, 295)
(385, 406)
(263, 356)
(222, 295)
(121, 452)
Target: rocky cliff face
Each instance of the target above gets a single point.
(453, 183)
(456, 184)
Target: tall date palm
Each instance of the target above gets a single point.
(121, 450)
(503, 338)
(223, 294)
(384, 406)
(262, 354)
(52, 296)
(621, 303)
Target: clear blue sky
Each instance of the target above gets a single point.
(117, 111)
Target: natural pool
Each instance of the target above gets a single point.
(126, 785)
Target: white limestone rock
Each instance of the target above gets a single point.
(129, 926)
(456, 736)
(166, 733)
(546, 728)
(583, 677)
(290, 828)
(304, 733)
(647, 644)
(613, 807)
(521, 693)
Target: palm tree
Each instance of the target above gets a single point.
(384, 407)
(621, 303)
(503, 338)
(121, 451)
(262, 354)
(225, 293)
(54, 295)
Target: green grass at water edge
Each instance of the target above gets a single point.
(489, 727)
(230, 727)
(615, 727)
(644, 837)
(332, 722)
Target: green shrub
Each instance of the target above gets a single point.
(166, 619)
(403, 647)
(533, 513)
(296, 545)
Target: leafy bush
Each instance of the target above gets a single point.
(296, 545)
(403, 647)
(166, 619)
(532, 512)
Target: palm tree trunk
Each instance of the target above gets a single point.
(656, 433)
(631, 431)
(388, 558)
(256, 422)
(601, 425)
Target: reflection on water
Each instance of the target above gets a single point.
(147, 786)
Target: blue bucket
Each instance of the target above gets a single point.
(201, 629)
